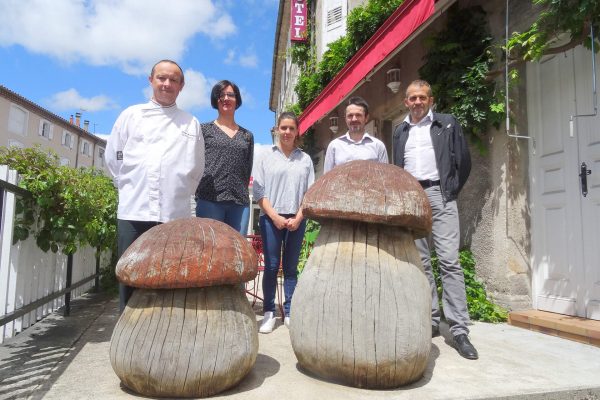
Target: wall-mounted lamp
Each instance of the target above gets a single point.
(333, 124)
(393, 79)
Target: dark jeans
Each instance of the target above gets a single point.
(280, 246)
(234, 215)
(127, 232)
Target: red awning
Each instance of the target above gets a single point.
(399, 26)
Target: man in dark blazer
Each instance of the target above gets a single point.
(432, 147)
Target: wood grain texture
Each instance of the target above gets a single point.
(184, 342)
(369, 191)
(190, 252)
(361, 312)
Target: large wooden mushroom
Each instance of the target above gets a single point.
(361, 313)
(188, 331)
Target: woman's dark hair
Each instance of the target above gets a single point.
(218, 89)
(287, 115)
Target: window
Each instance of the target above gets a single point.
(45, 129)
(16, 143)
(65, 162)
(86, 148)
(17, 120)
(334, 17)
(334, 21)
(67, 139)
(101, 157)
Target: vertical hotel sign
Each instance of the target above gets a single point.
(298, 23)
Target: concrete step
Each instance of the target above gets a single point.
(564, 326)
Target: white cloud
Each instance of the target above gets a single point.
(71, 99)
(259, 152)
(195, 93)
(131, 34)
(230, 57)
(249, 60)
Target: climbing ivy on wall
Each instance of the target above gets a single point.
(458, 60)
(573, 17)
(362, 22)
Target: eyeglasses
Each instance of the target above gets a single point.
(223, 96)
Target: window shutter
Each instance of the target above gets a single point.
(50, 133)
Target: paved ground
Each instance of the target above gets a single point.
(67, 358)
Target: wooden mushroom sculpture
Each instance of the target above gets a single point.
(188, 331)
(361, 313)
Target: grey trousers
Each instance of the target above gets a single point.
(445, 237)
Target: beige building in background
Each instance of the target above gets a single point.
(25, 124)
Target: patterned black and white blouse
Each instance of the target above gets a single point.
(228, 165)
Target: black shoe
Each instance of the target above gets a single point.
(464, 347)
(435, 331)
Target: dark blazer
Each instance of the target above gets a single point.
(451, 152)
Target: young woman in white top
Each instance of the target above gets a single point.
(282, 177)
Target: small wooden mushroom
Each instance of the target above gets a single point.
(188, 331)
(361, 313)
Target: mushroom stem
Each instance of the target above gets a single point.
(184, 342)
(361, 312)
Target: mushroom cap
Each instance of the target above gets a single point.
(185, 253)
(370, 191)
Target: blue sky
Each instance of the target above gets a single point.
(95, 55)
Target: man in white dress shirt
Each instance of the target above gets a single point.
(356, 144)
(432, 147)
(155, 154)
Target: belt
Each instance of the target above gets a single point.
(427, 183)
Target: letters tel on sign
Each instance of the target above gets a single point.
(298, 22)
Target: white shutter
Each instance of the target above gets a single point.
(72, 141)
(50, 133)
(41, 129)
(333, 21)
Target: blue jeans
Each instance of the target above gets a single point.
(278, 243)
(235, 215)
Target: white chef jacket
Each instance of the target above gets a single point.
(156, 157)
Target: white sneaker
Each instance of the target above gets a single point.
(286, 322)
(268, 323)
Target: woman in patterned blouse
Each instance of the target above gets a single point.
(223, 191)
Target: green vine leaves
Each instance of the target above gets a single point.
(68, 207)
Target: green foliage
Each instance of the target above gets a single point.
(456, 65)
(480, 307)
(310, 236)
(362, 22)
(68, 207)
(573, 17)
(108, 277)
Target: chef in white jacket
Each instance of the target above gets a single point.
(155, 154)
